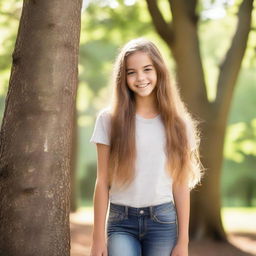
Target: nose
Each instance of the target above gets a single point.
(140, 76)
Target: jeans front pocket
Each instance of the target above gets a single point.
(115, 215)
(165, 215)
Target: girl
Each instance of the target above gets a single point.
(147, 160)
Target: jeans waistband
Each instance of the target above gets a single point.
(128, 210)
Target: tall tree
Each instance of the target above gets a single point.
(181, 36)
(73, 159)
(36, 132)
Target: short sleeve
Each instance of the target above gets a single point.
(191, 135)
(101, 132)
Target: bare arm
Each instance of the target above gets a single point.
(100, 200)
(181, 195)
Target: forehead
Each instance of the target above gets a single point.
(137, 60)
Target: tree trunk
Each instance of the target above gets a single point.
(73, 182)
(36, 132)
(182, 39)
(205, 220)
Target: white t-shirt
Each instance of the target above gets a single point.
(152, 184)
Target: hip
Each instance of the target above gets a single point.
(141, 221)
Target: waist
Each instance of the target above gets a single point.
(149, 210)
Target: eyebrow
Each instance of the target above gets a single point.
(149, 65)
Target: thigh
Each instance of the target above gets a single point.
(121, 243)
(160, 243)
(122, 234)
(161, 234)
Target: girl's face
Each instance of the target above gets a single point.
(141, 75)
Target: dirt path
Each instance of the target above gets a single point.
(242, 243)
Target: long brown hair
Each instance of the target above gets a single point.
(182, 163)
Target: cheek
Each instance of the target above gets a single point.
(129, 80)
(154, 77)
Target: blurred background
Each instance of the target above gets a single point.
(107, 25)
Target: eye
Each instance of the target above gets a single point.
(130, 73)
(148, 69)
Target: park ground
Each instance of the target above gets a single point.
(239, 223)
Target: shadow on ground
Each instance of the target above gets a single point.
(241, 244)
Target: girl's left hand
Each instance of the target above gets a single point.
(180, 250)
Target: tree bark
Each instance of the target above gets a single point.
(205, 220)
(36, 132)
(73, 182)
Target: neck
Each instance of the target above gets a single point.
(146, 105)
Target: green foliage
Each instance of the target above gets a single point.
(243, 105)
(239, 176)
(96, 55)
(104, 30)
(9, 21)
(87, 182)
(213, 49)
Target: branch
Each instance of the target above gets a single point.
(186, 52)
(184, 10)
(231, 65)
(162, 27)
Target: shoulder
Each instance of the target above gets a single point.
(104, 117)
(104, 113)
(101, 132)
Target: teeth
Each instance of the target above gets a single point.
(142, 85)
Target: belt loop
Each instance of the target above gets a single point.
(126, 211)
(151, 212)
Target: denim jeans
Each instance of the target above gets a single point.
(147, 231)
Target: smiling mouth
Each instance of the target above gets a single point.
(142, 85)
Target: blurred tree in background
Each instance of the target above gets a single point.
(107, 25)
(181, 36)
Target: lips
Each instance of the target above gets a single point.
(142, 85)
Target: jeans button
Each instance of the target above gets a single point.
(141, 211)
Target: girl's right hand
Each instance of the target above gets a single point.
(99, 249)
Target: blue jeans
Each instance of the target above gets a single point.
(147, 231)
